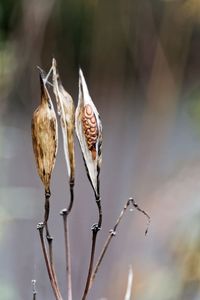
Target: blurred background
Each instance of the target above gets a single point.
(141, 62)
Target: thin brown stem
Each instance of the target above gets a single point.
(49, 239)
(71, 197)
(65, 213)
(112, 233)
(46, 211)
(67, 254)
(95, 230)
(56, 292)
(50, 245)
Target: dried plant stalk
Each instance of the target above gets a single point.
(65, 108)
(45, 144)
(89, 133)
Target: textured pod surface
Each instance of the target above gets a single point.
(45, 136)
(65, 107)
(90, 129)
(89, 133)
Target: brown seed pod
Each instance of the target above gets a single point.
(45, 136)
(89, 133)
(65, 107)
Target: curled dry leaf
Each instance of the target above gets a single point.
(65, 107)
(45, 135)
(89, 133)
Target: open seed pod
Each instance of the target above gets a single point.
(89, 133)
(45, 135)
(65, 107)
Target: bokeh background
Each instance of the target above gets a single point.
(141, 62)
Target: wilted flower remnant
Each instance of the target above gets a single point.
(89, 133)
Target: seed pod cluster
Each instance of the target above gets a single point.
(45, 131)
(45, 136)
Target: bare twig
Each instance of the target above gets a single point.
(55, 289)
(50, 245)
(49, 238)
(65, 213)
(129, 284)
(112, 233)
(95, 230)
(34, 289)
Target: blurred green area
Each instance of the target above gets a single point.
(10, 16)
(7, 291)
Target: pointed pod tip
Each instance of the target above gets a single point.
(82, 79)
(41, 72)
(42, 75)
(54, 63)
(80, 72)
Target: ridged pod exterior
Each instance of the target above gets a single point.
(45, 136)
(65, 108)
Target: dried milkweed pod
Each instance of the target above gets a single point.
(45, 137)
(89, 133)
(65, 108)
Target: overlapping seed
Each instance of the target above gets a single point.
(90, 129)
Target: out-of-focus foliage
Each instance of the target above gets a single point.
(10, 16)
(194, 108)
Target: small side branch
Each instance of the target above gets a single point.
(65, 213)
(112, 233)
(34, 289)
(95, 230)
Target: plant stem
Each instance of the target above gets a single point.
(50, 245)
(67, 256)
(95, 230)
(46, 211)
(112, 233)
(49, 238)
(34, 289)
(65, 213)
(57, 294)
